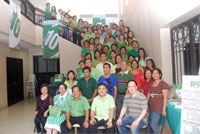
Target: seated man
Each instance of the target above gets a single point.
(77, 112)
(102, 111)
(134, 108)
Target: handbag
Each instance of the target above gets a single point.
(54, 111)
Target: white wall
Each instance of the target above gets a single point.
(148, 19)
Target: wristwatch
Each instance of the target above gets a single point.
(110, 120)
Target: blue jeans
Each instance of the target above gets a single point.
(128, 120)
(154, 122)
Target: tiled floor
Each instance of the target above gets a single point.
(18, 119)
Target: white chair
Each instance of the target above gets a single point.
(76, 126)
(30, 85)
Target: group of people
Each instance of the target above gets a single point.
(116, 85)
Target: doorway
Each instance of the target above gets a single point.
(15, 88)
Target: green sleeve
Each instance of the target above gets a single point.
(112, 103)
(68, 105)
(93, 105)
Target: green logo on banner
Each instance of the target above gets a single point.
(101, 21)
(15, 23)
(50, 40)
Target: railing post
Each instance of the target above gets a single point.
(25, 6)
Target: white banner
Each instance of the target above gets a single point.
(190, 116)
(15, 18)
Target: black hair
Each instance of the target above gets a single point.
(121, 35)
(114, 44)
(75, 87)
(97, 51)
(86, 60)
(122, 48)
(143, 52)
(132, 81)
(153, 64)
(71, 71)
(136, 62)
(111, 37)
(146, 72)
(131, 56)
(86, 68)
(159, 71)
(87, 55)
(44, 85)
(107, 64)
(63, 85)
(116, 57)
(106, 46)
(103, 84)
(80, 61)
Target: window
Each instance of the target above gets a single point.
(42, 65)
(185, 40)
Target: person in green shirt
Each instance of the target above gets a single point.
(88, 85)
(85, 50)
(94, 72)
(77, 112)
(102, 111)
(97, 58)
(90, 34)
(47, 12)
(135, 48)
(123, 53)
(122, 79)
(121, 42)
(70, 82)
(111, 41)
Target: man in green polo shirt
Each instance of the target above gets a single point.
(122, 80)
(94, 72)
(102, 111)
(88, 85)
(77, 112)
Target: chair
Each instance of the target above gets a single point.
(30, 85)
(76, 126)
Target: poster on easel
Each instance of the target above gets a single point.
(190, 116)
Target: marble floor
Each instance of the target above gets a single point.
(18, 118)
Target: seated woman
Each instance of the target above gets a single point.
(42, 109)
(137, 73)
(70, 82)
(54, 121)
(134, 110)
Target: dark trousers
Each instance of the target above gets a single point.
(40, 120)
(76, 37)
(93, 128)
(74, 120)
(66, 33)
(119, 103)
